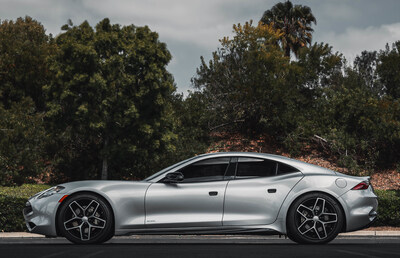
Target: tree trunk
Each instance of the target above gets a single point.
(104, 170)
(287, 51)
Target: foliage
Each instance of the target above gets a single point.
(110, 109)
(251, 86)
(24, 49)
(315, 69)
(388, 69)
(388, 208)
(365, 65)
(240, 82)
(362, 127)
(109, 100)
(22, 138)
(193, 134)
(295, 23)
(12, 202)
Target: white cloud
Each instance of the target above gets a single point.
(354, 40)
(198, 22)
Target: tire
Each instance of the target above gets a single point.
(314, 218)
(86, 219)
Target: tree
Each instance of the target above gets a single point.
(109, 100)
(192, 128)
(22, 138)
(366, 66)
(388, 69)
(24, 48)
(294, 21)
(318, 66)
(359, 125)
(245, 82)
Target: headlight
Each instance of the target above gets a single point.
(50, 191)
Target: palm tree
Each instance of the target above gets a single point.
(295, 23)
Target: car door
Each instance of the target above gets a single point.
(196, 201)
(257, 192)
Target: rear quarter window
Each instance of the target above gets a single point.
(286, 169)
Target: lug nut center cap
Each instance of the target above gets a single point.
(315, 218)
(85, 219)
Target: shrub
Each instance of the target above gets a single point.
(388, 208)
(12, 201)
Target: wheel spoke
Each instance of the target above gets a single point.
(97, 222)
(76, 209)
(319, 206)
(320, 230)
(72, 223)
(305, 212)
(328, 218)
(305, 227)
(85, 231)
(73, 228)
(91, 209)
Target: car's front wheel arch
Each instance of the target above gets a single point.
(104, 199)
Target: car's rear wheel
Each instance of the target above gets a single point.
(314, 218)
(86, 219)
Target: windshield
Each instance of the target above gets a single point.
(168, 168)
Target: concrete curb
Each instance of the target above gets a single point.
(201, 237)
(19, 235)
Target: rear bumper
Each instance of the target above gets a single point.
(360, 208)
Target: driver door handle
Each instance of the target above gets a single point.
(213, 193)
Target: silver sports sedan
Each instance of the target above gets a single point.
(221, 193)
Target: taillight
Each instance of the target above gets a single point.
(361, 186)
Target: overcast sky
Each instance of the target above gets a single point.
(191, 28)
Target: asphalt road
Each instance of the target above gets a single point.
(131, 247)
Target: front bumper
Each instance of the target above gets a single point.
(40, 215)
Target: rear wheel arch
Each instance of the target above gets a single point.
(316, 192)
(84, 192)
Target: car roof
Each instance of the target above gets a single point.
(300, 165)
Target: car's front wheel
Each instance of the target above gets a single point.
(85, 219)
(314, 218)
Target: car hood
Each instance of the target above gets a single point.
(99, 185)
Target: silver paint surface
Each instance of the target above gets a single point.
(241, 205)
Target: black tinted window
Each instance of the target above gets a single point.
(285, 169)
(253, 167)
(205, 170)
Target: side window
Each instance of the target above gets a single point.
(286, 169)
(254, 167)
(205, 170)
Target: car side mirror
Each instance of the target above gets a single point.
(173, 177)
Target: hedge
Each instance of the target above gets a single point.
(13, 199)
(388, 208)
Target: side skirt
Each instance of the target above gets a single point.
(258, 230)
